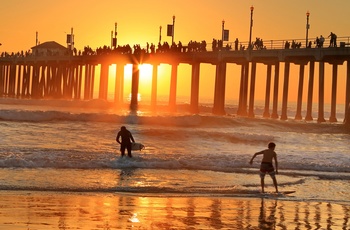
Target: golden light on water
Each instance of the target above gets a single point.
(134, 218)
(138, 97)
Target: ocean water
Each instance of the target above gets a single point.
(70, 147)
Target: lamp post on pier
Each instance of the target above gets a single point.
(172, 39)
(160, 34)
(223, 30)
(115, 35)
(251, 27)
(307, 28)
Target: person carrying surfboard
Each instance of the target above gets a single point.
(124, 138)
(267, 166)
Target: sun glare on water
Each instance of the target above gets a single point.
(138, 97)
(134, 218)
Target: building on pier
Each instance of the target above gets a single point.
(50, 48)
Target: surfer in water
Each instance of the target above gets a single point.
(125, 142)
(267, 166)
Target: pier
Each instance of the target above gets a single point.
(73, 77)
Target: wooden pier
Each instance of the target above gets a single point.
(73, 77)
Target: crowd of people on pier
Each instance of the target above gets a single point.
(294, 45)
(320, 41)
(17, 54)
(333, 41)
(258, 44)
(192, 46)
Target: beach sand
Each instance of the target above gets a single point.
(58, 210)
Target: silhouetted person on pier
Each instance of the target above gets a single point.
(333, 42)
(220, 44)
(296, 45)
(214, 44)
(124, 138)
(259, 44)
(165, 47)
(317, 42)
(228, 47)
(173, 46)
(310, 44)
(179, 46)
(321, 41)
(266, 166)
(203, 46)
(153, 48)
(287, 45)
(236, 44)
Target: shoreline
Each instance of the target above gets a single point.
(161, 107)
(64, 210)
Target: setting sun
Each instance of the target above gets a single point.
(146, 71)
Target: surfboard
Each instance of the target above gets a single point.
(137, 146)
(287, 192)
(280, 193)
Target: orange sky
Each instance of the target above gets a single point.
(139, 21)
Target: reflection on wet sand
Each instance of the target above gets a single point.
(267, 220)
(44, 210)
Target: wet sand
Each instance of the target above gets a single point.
(58, 210)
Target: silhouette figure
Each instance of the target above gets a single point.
(236, 44)
(266, 166)
(124, 138)
(333, 41)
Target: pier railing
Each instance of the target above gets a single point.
(341, 42)
(280, 44)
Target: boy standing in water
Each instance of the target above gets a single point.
(267, 166)
(125, 142)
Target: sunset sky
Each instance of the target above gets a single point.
(197, 20)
